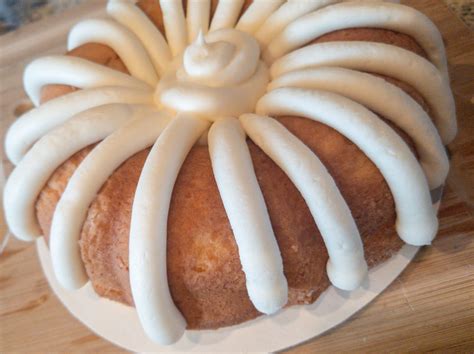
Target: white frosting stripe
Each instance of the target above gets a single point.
(416, 219)
(175, 25)
(226, 14)
(394, 17)
(73, 71)
(121, 40)
(39, 121)
(197, 17)
(136, 21)
(158, 315)
(245, 207)
(286, 14)
(31, 174)
(289, 12)
(71, 211)
(346, 266)
(385, 99)
(383, 59)
(256, 14)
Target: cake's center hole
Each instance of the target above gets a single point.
(218, 75)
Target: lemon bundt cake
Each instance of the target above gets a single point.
(208, 162)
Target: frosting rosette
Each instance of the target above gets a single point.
(218, 75)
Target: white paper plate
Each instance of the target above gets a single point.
(120, 325)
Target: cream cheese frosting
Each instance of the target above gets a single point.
(140, 132)
(256, 14)
(385, 99)
(197, 18)
(34, 169)
(416, 218)
(220, 75)
(136, 21)
(175, 25)
(226, 15)
(352, 15)
(346, 266)
(121, 40)
(284, 15)
(26, 130)
(245, 207)
(75, 72)
(206, 78)
(160, 318)
(382, 59)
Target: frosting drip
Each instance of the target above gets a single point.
(217, 76)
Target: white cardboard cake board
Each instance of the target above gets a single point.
(119, 324)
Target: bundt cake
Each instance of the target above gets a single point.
(208, 162)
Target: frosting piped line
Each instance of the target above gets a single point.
(158, 314)
(197, 18)
(175, 25)
(256, 14)
(416, 222)
(383, 59)
(33, 171)
(286, 14)
(346, 266)
(136, 21)
(121, 40)
(395, 17)
(226, 14)
(385, 99)
(73, 71)
(39, 121)
(71, 211)
(248, 216)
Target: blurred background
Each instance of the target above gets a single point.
(14, 13)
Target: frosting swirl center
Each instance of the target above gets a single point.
(217, 76)
(202, 60)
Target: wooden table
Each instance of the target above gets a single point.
(430, 306)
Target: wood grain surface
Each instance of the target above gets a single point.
(429, 307)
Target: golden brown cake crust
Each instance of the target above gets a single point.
(204, 271)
